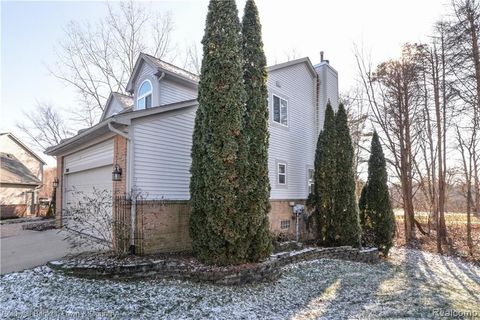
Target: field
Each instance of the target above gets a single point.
(456, 235)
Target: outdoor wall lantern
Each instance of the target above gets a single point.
(117, 173)
(55, 183)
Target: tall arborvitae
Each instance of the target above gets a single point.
(368, 237)
(256, 134)
(378, 213)
(324, 180)
(362, 204)
(217, 228)
(347, 224)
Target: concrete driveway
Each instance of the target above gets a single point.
(25, 249)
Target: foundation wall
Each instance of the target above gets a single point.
(163, 226)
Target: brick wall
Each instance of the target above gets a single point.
(163, 226)
(282, 211)
(13, 211)
(120, 158)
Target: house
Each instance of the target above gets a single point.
(147, 137)
(21, 177)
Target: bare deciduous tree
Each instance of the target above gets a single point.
(468, 148)
(98, 58)
(465, 32)
(45, 126)
(193, 59)
(393, 92)
(357, 112)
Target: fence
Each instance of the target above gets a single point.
(123, 207)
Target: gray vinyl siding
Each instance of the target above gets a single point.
(162, 143)
(164, 91)
(328, 89)
(161, 152)
(147, 72)
(171, 92)
(114, 107)
(98, 155)
(294, 144)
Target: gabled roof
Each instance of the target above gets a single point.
(13, 171)
(160, 66)
(21, 144)
(287, 64)
(124, 119)
(125, 101)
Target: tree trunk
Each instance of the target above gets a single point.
(469, 219)
(406, 156)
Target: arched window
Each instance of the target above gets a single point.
(144, 95)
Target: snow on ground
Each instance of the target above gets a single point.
(411, 284)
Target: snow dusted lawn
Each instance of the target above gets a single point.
(411, 284)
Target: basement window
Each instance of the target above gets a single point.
(285, 224)
(310, 181)
(280, 110)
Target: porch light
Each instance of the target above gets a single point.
(117, 173)
(55, 183)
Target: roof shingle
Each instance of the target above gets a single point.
(15, 172)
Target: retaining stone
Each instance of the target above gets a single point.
(269, 270)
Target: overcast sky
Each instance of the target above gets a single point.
(30, 31)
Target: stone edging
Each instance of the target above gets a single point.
(176, 269)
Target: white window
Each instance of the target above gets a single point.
(310, 182)
(282, 173)
(285, 224)
(144, 95)
(280, 110)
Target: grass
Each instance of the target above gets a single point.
(410, 284)
(450, 218)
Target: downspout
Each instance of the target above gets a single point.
(133, 210)
(160, 77)
(115, 130)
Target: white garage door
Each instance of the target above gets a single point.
(88, 190)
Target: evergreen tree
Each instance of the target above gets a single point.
(347, 224)
(362, 203)
(368, 237)
(256, 134)
(378, 213)
(217, 227)
(324, 180)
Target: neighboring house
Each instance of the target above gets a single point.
(21, 177)
(46, 191)
(149, 137)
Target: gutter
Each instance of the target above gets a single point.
(115, 130)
